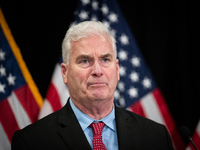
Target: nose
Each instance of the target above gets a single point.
(97, 69)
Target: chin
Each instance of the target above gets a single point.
(100, 94)
(100, 97)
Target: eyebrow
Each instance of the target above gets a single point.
(90, 57)
(83, 57)
(106, 55)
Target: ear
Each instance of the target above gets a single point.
(64, 71)
(117, 65)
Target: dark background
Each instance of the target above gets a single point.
(167, 34)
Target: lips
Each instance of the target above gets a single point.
(97, 84)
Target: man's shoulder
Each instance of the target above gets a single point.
(136, 119)
(148, 133)
(45, 124)
(50, 120)
(46, 131)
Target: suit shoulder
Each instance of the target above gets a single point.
(43, 125)
(137, 119)
(145, 132)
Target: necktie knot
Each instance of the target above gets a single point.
(97, 128)
(97, 138)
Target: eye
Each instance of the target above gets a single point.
(84, 61)
(105, 59)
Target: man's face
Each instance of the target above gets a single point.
(93, 70)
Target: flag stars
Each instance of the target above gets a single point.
(113, 33)
(83, 15)
(11, 79)
(94, 18)
(135, 61)
(113, 17)
(2, 86)
(133, 92)
(121, 86)
(104, 9)
(2, 55)
(95, 5)
(106, 24)
(85, 2)
(122, 102)
(124, 39)
(2, 71)
(146, 83)
(120, 99)
(123, 55)
(122, 71)
(134, 76)
(116, 94)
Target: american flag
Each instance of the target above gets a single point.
(20, 100)
(136, 89)
(195, 138)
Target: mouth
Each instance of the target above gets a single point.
(99, 84)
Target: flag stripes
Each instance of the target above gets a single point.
(57, 94)
(4, 141)
(153, 106)
(52, 94)
(59, 85)
(17, 54)
(30, 107)
(46, 109)
(20, 100)
(7, 119)
(19, 113)
(195, 138)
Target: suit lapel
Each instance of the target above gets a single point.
(74, 137)
(71, 131)
(125, 126)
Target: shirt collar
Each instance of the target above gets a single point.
(85, 120)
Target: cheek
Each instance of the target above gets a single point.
(113, 77)
(74, 83)
(78, 77)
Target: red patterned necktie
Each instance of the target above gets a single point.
(97, 138)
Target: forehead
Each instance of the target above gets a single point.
(92, 44)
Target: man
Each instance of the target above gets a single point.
(91, 71)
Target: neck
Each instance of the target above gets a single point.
(95, 109)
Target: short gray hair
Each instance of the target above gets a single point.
(82, 30)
